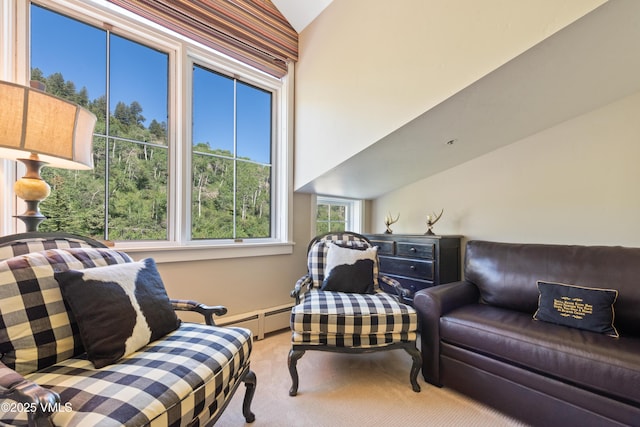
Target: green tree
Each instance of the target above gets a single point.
(137, 189)
(158, 130)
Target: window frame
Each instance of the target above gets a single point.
(182, 55)
(354, 216)
(202, 60)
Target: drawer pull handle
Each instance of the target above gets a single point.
(413, 268)
(412, 249)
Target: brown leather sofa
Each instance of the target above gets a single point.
(479, 336)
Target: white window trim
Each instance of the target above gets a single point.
(355, 212)
(14, 19)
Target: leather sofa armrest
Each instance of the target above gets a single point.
(38, 402)
(431, 304)
(207, 311)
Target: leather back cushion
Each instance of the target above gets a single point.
(506, 274)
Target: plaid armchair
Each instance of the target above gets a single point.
(330, 320)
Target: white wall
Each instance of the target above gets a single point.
(367, 67)
(575, 183)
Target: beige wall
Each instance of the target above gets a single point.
(575, 183)
(368, 67)
(243, 284)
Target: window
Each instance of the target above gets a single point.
(125, 84)
(197, 159)
(231, 158)
(336, 214)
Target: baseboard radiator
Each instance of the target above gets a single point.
(260, 322)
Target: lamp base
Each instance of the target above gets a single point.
(32, 217)
(32, 189)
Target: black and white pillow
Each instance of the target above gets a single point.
(317, 259)
(350, 270)
(37, 329)
(579, 307)
(119, 308)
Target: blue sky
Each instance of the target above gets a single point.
(216, 115)
(139, 73)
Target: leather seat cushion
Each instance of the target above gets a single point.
(597, 362)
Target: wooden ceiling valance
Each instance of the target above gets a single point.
(251, 31)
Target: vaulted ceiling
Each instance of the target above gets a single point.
(588, 64)
(300, 13)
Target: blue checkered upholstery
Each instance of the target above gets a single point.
(352, 320)
(317, 258)
(347, 319)
(32, 243)
(36, 328)
(186, 376)
(184, 379)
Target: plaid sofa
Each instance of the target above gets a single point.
(183, 379)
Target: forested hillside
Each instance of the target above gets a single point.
(136, 192)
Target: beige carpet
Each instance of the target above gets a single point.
(350, 390)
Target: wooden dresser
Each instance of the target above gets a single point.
(418, 261)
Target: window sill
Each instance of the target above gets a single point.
(163, 252)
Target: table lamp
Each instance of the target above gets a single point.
(41, 129)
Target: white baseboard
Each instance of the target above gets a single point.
(260, 322)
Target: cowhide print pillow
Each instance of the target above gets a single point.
(119, 308)
(350, 270)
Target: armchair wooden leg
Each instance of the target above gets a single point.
(250, 384)
(294, 355)
(415, 368)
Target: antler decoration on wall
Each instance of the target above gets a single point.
(431, 220)
(388, 220)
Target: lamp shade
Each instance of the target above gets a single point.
(32, 121)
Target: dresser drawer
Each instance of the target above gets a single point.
(384, 247)
(415, 268)
(418, 261)
(415, 250)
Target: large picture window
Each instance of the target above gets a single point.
(125, 84)
(192, 158)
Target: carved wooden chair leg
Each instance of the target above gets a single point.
(415, 368)
(294, 355)
(250, 384)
